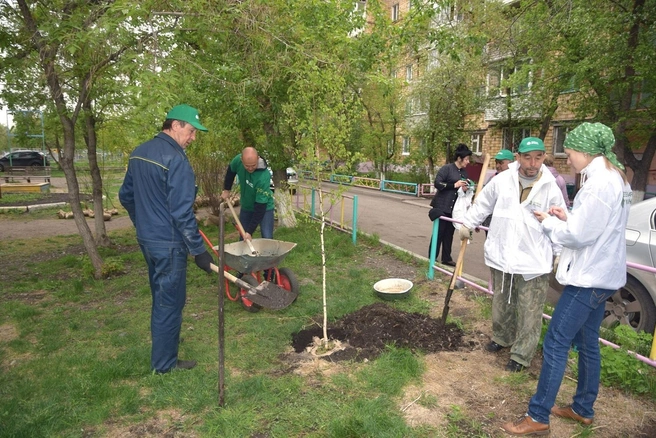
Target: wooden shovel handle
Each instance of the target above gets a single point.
(240, 227)
(239, 282)
(458, 267)
(481, 180)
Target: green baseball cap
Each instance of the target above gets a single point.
(530, 144)
(186, 113)
(505, 154)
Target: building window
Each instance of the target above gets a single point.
(393, 73)
(390, 147)
(513, 136)
(406, 145)
(359, 17)
(559, 134)
(497, 74)
(522, 84)
(450, 14)
(408, 72)
(494, 76)
(395, 12)
(477, 142)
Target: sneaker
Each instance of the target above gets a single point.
(493, 347)
(568, 412)
(514, 367)
(526, 426)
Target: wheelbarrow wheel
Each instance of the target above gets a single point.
(245, 302)
(288, 280)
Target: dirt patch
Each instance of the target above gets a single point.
(165, 424)
(8, 332)
(463, 384)
(390, 266)
(370, 328)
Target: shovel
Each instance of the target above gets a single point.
(267, 295)
(241, 228)
(461, 255)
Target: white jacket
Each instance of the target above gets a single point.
(516, 242)
(594, 246)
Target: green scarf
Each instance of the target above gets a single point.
(593, 139)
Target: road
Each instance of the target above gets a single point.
(402, 220)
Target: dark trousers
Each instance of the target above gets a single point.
(167, 274)
(445, 239)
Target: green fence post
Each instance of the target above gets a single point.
(433, 249)
(312, 207)
(355, 219)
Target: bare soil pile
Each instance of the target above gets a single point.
(369, 329)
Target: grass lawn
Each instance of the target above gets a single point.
(75, 352)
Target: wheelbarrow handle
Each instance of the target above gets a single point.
(239, 282)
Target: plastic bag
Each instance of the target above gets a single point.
(463, 202)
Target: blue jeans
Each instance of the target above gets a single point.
(167, 274)
(266, 225)
(576, 321)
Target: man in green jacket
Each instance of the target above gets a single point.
(255, 188)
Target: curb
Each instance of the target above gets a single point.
(26, 208)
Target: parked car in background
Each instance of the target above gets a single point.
(23, 158)
(292, 176)
(635, 303)
(292, 179)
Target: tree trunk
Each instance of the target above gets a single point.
(284, 205)
(96, 179)
(74, 196)
(47, 55)
(283, 200)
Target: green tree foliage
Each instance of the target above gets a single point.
(70, 57)
(601, 54)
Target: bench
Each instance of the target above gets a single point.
(27, 173)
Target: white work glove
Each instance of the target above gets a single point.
(465, 233)
(556, 260)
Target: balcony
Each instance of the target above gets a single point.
(496, 111)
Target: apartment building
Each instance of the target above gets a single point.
(494, 127)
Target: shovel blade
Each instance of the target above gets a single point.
(271, 296)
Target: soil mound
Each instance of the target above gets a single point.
(369, 329)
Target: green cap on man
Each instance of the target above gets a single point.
(186, 113)
(530, 144)
(504, 154)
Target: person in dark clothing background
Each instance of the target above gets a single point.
(448, 180)
(158, 192)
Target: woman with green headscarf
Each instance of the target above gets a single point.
(592, 267)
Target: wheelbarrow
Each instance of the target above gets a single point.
(261, 267)
(259, 280)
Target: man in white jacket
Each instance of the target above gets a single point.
(517, 250)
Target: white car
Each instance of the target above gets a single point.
(635, 303)
(292, 179)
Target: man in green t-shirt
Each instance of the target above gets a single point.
(255, 188)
